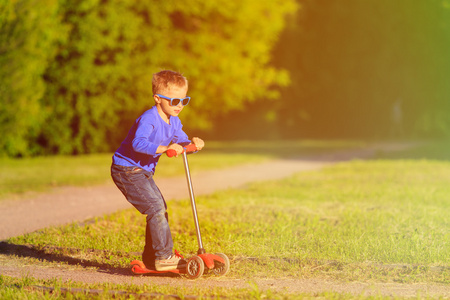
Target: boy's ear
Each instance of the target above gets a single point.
(157, 99)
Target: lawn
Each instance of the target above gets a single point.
(379, 220)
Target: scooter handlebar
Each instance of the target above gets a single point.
(188, 149)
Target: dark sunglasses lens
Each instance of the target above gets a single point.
(175, 101)
(185, 101)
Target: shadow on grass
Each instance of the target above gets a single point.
(29, 251)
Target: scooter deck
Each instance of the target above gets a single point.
(138, 268)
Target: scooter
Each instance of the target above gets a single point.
(203, 262)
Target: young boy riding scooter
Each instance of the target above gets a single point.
(153, 133)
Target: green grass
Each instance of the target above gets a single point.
(21, 176)
(380, 220)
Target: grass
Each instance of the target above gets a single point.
(380, 220)
(19, 177)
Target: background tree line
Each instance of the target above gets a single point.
(75, 74)
(351, 62)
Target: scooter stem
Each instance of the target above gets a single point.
(193, 206)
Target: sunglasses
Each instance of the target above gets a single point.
(176, 101)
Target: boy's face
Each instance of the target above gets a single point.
(164, 104)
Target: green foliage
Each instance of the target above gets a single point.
(101, 75)
(79, 72)
(224, 48)
(350, 61)
(28, 32)
(75, 74)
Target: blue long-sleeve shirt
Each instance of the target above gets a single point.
(148, 132)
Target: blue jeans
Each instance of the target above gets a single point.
(141, 191)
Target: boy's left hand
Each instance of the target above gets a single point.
(198, 142)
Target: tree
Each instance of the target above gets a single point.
(75, 74)
(351, 60)
(28, 33)
(101, 75)
(101, 78)
(225, 48)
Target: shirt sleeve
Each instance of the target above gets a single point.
(142, 138)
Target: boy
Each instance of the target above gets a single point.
(153, 133)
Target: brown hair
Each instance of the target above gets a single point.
(166, 80)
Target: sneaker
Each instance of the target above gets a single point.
(175, 261)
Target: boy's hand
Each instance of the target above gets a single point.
(198, 142)
(178, 148)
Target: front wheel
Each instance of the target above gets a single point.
(195, 267)
(221, 269)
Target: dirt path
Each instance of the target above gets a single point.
(69, 204)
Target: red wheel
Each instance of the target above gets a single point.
(195, 267)
(221, 269)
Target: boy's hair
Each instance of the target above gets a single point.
(166, 80)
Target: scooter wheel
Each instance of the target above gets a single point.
(222, 269)
(195, 267)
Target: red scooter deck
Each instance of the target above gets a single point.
(196, 266)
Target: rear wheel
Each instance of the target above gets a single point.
(221, 269)
(195, 267)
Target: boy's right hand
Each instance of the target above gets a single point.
(178, 148)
